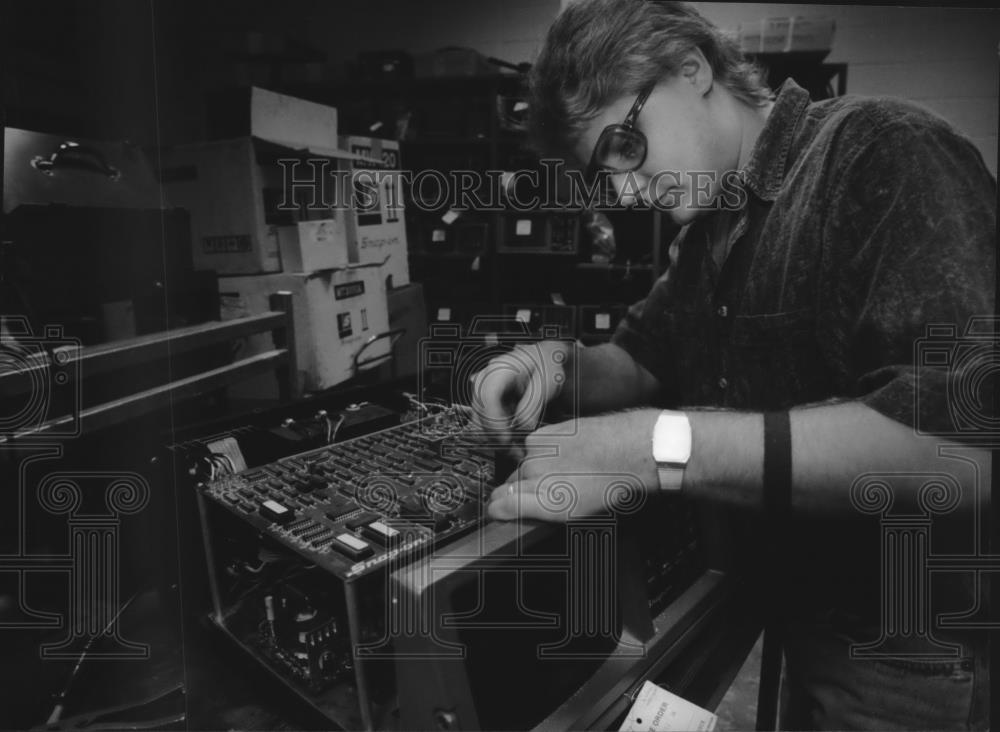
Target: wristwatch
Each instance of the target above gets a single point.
(671, 448)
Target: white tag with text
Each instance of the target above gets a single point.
(658, 710)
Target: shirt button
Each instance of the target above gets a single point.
(723, 382)
(722, 311)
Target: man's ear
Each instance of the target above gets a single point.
(696, 70)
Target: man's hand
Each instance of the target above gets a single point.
(510, 395)
(605, 466)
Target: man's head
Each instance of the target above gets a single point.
(600, 56)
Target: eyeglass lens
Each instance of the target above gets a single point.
(620, 149)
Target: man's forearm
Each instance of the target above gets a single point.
(605, 378)
(832, 446)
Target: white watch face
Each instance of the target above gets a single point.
(672, 439)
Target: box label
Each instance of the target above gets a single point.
(379, 244)
(377, 199)
(348, 290)
(344, 328)
(389, 158)
(226, 244)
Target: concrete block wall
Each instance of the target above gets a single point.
(946, 59)
(510, 30)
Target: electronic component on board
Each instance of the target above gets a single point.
(352, 546)
(276, 512)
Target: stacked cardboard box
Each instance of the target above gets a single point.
(787, 35)
(376, 223)
(271, 212)
(336, 313)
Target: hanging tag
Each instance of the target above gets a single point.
(657, 710)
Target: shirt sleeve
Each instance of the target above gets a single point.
(918, 278)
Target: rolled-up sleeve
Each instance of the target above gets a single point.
(918, 279)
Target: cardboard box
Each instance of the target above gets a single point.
(376, 228)
(383, 154)
(237, 201)
(787, 34)
(336, 313)
(321, 237)
(774, 35)
(811, 34)
(243, 218)
(750, 37)
(311, 246)
(256, 112)
(224, 189)
(363, 224)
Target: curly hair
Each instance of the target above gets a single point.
(600, 50)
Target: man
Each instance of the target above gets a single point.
(790, 316)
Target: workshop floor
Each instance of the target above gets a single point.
(738, 709)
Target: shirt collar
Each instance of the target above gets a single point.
(765, 172)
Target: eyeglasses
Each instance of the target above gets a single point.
(621, 148)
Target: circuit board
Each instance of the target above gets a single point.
(353, 506)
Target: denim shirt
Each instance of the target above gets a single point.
(866, 221)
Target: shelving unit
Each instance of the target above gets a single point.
(465, 265)
(809, 71)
